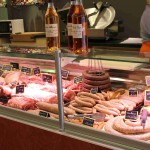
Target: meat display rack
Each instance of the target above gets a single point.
(62, 127)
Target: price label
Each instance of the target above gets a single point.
(26, 70)
(1, 72)
(78, 79)
(20, 89)
(88, 121)
(64, 74)
(44, 114)
(47, 78)
(15, 65)
(147, 95)
(133, 92)
(36, 71)
(7, 67)
(132, 115)
(147, 79)
(94, 90)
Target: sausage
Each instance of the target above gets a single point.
(120, 126)
(133, 124)
(79, 110)
(68, 111)
(109, 127)
(113, 109)
(94, 76)
(113, 105)
(96, 83)
(48, 107)
(106, 111)
(101, 96)
(83, 103)
(88, 99)
(94, 96)
(101, 87)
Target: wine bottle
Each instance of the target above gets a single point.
(69, 24)
(52, 28)
(80, 29)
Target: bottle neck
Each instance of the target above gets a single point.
(78, 2)
(72, 2)
(50, 4)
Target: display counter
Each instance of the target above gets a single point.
(126, 69)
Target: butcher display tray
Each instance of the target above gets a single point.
(75, 66)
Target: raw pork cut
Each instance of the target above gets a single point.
(22, 103)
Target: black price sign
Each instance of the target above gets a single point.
(132, 115)
(94, 90)
(44, 114)
(47, 78)
(133, 92)
(20, 89)
(26, 70)
(64, 74)
(7, 67)
(147, 95)
(36, 71)
(1, 72)
(15, 65)
(88, 121)
(78, 79)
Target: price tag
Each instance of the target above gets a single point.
(19, 89)
(7, 67)
(147, 79)
(15, 65)
(94, 90)
(147, 95)
(36, 71)
(88, 121)
(132, 115)
(64, 74)
(26, 70)
(133, 92)
(44, 114)
(78, 79)
(1, 72)
(47, 78)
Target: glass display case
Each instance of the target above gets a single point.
(80, 112)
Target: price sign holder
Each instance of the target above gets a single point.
(147, 80)
(131, 115)
(133, 92)
(26, 70)
(44, 114)
(47, 78)
(7, 67)
(64, 74)
(15, 65)
(78, 79)
(94, 90)
(20, 89)
(88, 121)
(36, 71)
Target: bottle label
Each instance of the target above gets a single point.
(69, 25)
(77, 30)
(51, 30)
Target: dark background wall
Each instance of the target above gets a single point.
(129, 11)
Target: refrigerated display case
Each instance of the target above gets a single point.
(127, 69)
